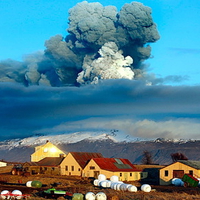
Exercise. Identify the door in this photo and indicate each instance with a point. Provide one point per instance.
(178, 173)
(96, 174)
(126, 176)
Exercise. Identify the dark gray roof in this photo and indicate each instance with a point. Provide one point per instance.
(191, 163)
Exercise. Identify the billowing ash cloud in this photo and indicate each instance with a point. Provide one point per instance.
(110, 65)
(102, 43)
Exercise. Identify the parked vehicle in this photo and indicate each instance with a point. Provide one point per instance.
(190, 181)
(53, 193)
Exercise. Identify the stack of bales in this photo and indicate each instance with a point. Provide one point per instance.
(115, 184)
(98, 196)
(16, 194)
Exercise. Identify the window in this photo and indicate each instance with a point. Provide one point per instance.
(130, 174)
(191, 172)
(166, 173)
(79, 169)
(66, 168)
(72, 168)
(92, 167)
(120, 174)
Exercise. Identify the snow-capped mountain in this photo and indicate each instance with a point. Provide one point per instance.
(38, 139)
(110, 144)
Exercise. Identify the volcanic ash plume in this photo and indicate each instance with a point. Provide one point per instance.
(102, 43)
(110, 65)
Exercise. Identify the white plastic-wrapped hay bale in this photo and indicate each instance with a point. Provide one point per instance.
(103, 184)
(90, 196)
(101, 196)
(28, 184)
(101, 177)
(126, 186)
(114, 178)
(96, 182)
(118, 185)
(173, 180)
(17, 194)
(113, 185)
(178, 182)
(123, 187)
(5, 194)
(108, 184)
(132, 188)
(146, 188)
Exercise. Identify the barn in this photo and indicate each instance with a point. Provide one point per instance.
(178, 169)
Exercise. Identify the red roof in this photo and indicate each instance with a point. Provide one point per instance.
(116, 164)
(84, 157)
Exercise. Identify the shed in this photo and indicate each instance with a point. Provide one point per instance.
(178, 169)
(49, 165)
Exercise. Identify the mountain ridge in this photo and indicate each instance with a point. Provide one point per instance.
(112, 144)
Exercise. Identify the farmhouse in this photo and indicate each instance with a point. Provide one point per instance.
(49, 165)
(46, 150)
(112, 166)
(3, 163)
(178, 169)
(74, 162)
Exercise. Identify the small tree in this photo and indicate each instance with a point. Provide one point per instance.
(147, 158)
(178, 156)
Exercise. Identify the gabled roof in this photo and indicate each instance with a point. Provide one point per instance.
(50, 161)
(37, 148)
(30, 163)
(116, 164)
(84, 157)
(191, 163)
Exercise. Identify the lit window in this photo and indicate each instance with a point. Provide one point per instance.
(45, 150)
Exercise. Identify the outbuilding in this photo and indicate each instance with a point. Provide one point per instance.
(178, 169)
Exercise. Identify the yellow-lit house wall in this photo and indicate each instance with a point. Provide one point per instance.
(70, 166)
(3, 164)
(46, 150)
(169, 172)
(93, 170)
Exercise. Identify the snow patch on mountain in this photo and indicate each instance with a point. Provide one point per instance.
(36, 140)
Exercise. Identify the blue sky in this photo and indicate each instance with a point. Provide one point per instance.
(168, 109)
